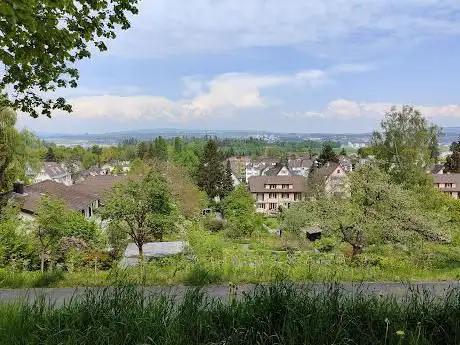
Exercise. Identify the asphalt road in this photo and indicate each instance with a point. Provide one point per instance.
(60, 295)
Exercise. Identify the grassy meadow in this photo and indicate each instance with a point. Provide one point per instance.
(213, 258)
(276, 314)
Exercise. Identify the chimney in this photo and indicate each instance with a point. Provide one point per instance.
(18, 187)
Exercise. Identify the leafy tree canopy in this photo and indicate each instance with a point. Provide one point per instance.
(406, 145)
(327, 155)
(240, 213)
(143, 206)
(377, 212)
(452, 164)
(41, 40)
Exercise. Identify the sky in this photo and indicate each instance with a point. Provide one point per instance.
(300, 66)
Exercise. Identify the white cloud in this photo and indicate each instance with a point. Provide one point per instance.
(221, 96)
(166, 27)
(347, 109)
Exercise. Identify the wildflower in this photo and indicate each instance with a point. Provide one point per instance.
(400, 333)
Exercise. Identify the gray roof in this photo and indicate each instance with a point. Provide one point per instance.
(446, 178)
(326, 170)
(257, 183)
(30, 200)
(300, 163)
(313, 230)
(54, 170)
(77, 197)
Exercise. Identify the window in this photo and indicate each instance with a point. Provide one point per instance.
(267, 186)
(273, 186)
(261, 196)
(272, 206)
(285, 195)
(261, 206)
(83, 212)
(90, 212)
(285, 186)
(338, 171)
(272, 195)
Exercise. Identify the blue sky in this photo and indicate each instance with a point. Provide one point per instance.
(290, 66)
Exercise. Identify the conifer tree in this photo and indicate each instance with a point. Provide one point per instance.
(327, 155)
(210, 171)
(50, 156)
(160, 149)
(227, 184)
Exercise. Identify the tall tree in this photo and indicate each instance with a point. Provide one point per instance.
(8, 140)
(240, 213)
(141, 149)
(161, 149)
(50, 156)
(452, 164)
(150, 154)
(343, 152)
(144, 206)
(227, 183)
(405, 145)
(327, 154)
(178, 145)
(210, 172)
(42, 40)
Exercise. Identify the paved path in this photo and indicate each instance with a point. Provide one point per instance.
(59, 295)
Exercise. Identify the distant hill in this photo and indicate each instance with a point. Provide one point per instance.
(111, 138)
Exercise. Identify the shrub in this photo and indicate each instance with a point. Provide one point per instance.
(325, 244)
(213, 224)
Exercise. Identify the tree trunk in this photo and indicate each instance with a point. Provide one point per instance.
(42, 261)
(141, 253)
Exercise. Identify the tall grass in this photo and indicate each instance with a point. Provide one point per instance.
(277, 314)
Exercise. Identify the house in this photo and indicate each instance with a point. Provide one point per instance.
(29, 197)
(278, 169)
(437, 169)
(52, 171)
(346, 163)
(272, 192)
(448, 183)
(300, 166)
(238, 165)
(334, 177)
(257, 167)
(84, 197)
